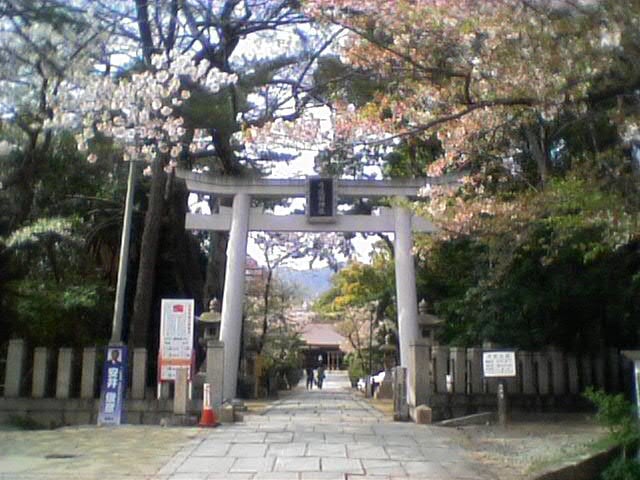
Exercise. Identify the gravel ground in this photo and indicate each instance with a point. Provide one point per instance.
(531, 446)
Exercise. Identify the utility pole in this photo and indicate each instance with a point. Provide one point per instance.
(123, 263)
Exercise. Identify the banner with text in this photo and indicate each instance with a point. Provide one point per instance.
(114, 382)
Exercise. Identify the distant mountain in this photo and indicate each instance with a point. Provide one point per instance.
(313, 283)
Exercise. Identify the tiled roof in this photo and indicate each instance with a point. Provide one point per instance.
(322, 334)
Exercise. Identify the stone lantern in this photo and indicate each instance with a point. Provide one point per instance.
(385, 390)
(430, 325)
(209, 323)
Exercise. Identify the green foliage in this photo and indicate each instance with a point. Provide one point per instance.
(559, 268)
(55, 314)
(622, 469)
(355, 366)
(617, 414)
(411, 158)
(54, 227)
(358, 284)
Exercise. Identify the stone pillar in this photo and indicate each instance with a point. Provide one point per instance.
(573, 375)
(458, 360)
(587, 371)
(613, 365)
(65, 373)
(474, 362)
(139, 374)
(216, 373)
(407, 299)
(233, 296)
(598, 371)
(441, 357)
(181, 392)
(528, 383)
(41, 372)
(559, 372)
(421, 366)
(542, 366)
(15, 368)
(89, 368)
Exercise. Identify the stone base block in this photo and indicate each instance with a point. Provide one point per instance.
(423, 415)
(226, 414)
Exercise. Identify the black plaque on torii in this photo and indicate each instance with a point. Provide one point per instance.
(321, 199)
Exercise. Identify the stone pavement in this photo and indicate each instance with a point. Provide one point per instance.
(327, 434)
(324, 435)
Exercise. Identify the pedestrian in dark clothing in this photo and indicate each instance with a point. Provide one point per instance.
(310, 378)
(320, 376)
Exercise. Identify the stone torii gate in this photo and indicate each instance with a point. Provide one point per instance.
(321, 216)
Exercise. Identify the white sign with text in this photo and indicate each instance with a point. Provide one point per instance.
(499, 364)
(176, 338)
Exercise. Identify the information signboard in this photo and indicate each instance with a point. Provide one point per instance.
(499, 363)
(114, 376)
(176, 338)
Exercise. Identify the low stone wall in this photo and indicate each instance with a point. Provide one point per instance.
(445, 406)
(62, 387)
(450, 380)
(52, 412)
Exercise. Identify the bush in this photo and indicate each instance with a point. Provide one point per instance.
(622, 469)
(619, 416)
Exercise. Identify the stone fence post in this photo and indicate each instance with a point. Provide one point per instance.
(65, 373)
(573, 374)
(139, 375)
(440, 357)
(586, 368)
(419, 356)
(541, 362)
(215, 373)
(89, 371)
(474, 370)
(41, 372)
(458, 369)
(558, 366)
(15, 368)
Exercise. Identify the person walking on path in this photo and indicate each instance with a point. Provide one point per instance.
(310, 378)
(320, 376)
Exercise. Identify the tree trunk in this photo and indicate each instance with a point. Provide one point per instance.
(538, 151)
(216, 263)
(188, 269)
(265, 311)
(148, 256)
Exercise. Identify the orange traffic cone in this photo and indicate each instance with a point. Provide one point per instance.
(208, 418)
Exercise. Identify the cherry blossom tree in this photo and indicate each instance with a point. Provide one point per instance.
(492, 79)
(181, 121)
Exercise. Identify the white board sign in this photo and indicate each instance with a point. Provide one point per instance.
(176, 338)
(499, 364)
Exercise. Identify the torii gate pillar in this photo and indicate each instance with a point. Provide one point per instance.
(233, 296)
(406, 296)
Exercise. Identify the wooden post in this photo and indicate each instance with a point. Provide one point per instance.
(502, 403)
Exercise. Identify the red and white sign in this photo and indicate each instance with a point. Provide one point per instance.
(176, 338)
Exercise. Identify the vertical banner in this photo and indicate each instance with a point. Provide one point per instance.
(114, 386)
(176, 338)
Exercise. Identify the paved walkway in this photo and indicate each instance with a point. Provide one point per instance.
(324, 434)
